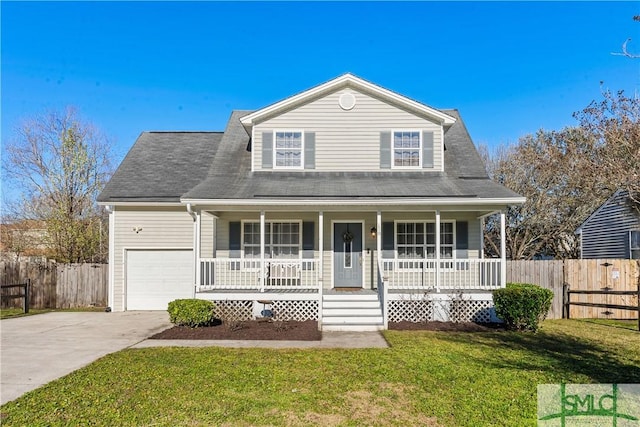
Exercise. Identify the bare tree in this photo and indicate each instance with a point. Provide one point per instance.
(59, 163)
(614, 122)
(552, 169)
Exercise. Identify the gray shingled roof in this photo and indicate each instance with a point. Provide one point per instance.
(170, 166)
(162, 166)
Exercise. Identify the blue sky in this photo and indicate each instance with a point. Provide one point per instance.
(510, 68)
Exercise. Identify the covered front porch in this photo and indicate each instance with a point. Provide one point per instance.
(298, 259)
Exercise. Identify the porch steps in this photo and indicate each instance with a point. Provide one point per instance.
(351, 311)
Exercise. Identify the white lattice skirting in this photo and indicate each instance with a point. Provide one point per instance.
(295, 310)
(416, 311)
(282, 310)
(454, 309)
(233, 310)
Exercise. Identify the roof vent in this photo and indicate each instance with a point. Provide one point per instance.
(347, 101)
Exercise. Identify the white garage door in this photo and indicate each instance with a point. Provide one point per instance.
(154, 278)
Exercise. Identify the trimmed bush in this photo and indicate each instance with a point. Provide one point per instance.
(522, 306)
(191, 312)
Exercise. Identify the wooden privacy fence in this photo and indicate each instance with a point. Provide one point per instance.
(583, 275)
(56, 285)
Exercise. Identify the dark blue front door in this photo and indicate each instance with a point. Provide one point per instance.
(347, 255)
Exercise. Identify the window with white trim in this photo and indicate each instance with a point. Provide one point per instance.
(417, 240)
(634, 244)
(282, 239)
(288, 149)
(407, 149)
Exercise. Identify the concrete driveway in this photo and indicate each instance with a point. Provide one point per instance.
(40, 348)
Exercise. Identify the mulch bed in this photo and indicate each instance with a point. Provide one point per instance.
(299, 331)
(447, 326)
(246, 330)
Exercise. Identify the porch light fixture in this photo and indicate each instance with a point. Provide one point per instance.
(374, 232)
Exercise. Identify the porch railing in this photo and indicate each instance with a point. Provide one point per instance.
(249, 274)
(452, 274)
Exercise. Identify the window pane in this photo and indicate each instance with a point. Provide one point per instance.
(446, 252)
(635, 239)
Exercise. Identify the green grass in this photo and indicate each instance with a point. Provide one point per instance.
(626, 324)
(425, 378)
(7, 313)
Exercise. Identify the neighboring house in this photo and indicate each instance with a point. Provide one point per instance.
(612, 230)
(345, 186)
(26, 238)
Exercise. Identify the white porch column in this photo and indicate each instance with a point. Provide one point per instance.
(482, 238)
(321, 246)
(379, 238)
(320, 267)
(263, 277)
(437, 251)
(198, 246)
(503, 251)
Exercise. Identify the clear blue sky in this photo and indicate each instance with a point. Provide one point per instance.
(510, 68)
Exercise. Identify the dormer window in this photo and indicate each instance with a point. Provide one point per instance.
(288, 149)
(407, 149)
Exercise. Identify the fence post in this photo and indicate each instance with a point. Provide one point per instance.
(565, 301)
(27, 295)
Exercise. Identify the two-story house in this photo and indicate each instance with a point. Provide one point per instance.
(347, 203)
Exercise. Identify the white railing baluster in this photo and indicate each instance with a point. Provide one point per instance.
(245, 274)
(459, 274)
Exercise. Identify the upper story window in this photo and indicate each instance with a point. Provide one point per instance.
(288, 149)
(406, 149)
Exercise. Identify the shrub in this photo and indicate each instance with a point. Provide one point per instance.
(191, 312)
(522, 306)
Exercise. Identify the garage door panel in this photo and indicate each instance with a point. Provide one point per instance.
(156, 277)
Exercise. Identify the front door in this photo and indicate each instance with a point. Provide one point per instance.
(347, 255)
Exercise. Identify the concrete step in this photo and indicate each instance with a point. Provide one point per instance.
(351, 303)
(352, 328)
(351, 311)
(347, 296)
(351, 319)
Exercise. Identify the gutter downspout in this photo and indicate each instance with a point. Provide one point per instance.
(112, 259)
(191, 212)
(196, 255)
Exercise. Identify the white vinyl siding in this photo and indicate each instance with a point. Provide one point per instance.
(160, 228)
(348, 140)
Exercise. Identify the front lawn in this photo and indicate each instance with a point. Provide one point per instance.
(425, 378)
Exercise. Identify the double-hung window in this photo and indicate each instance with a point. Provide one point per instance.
(282, 239)
(288, 149)
(407, 149)
(634, 244)
(417, 240)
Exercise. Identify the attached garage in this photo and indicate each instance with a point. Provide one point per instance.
(156, 277)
